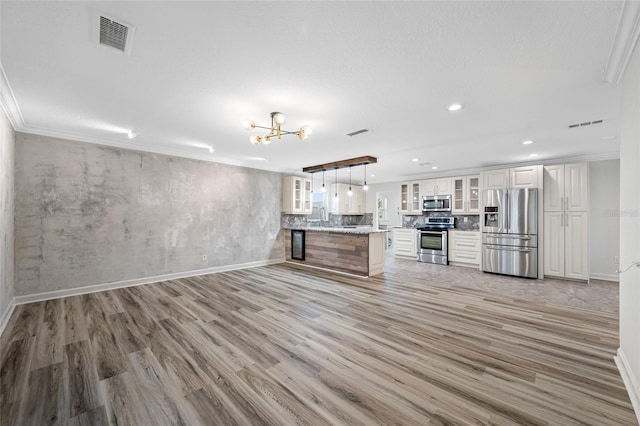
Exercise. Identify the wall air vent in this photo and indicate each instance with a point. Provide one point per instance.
(115, 34)
(584, 123)
(358, 132)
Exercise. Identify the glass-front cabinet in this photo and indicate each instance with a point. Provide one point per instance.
(466, 194)
(410, 201)
(296, 195)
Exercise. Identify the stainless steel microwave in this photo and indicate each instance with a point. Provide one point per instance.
(436, 203)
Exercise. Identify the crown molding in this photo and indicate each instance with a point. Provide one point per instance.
(625, 40)
(9, 103)
(613, 155)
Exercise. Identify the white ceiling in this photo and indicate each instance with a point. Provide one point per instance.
(523, 70)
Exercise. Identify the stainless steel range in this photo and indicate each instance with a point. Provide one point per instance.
(432, 240)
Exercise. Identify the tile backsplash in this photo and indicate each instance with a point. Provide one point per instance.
(302, 221)
(417, 221)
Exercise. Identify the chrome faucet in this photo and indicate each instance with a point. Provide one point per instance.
(323, 214)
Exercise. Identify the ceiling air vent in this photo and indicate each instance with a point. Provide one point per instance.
(585, 123)
(115, 34)
(358, 132)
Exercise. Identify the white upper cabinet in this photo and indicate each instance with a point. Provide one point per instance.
(576, 192)
(410, 200)
(495, 179)
(296, 195)
(466, 194)
(565, 187)
(524, 177)
(554, 188)
(515, 177)
(345, 203)
(440, 186)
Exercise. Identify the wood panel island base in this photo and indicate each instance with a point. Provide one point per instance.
(354, 251)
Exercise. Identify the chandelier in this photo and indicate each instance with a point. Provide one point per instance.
(277, 120)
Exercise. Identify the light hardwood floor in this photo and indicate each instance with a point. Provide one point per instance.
(285, 344)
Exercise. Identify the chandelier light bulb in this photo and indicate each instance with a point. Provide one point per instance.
(307, 130)
(266, 140)
(254, 139)
(278, 118)
(248, 124)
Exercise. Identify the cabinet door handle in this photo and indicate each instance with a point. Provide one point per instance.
(566, 203)
(561, 220)
(567, 220)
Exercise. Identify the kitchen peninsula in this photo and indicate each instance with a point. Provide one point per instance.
(354, 250)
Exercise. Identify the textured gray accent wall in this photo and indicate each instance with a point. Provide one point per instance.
(89, 214)
(7, 193)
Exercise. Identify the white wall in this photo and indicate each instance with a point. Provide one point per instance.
(392, 192)
(7, 196)
(604, 218)
(628, 358)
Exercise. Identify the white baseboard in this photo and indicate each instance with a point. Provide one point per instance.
(604, 277)
(57, 294)
(630, 382)
(4, 319)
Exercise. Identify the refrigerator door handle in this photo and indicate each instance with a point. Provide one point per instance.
(506, 211)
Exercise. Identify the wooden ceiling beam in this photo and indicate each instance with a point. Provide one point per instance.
(358, 161)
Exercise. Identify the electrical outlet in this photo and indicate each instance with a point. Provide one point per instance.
(204, 257)
(466, 219)
(616, 260)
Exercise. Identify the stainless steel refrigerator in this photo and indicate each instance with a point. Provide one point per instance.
(510, 232)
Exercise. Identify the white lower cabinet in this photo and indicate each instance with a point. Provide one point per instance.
(464, 248)
(566, 245)
(405, 242)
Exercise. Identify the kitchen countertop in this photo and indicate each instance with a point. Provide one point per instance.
(452, 229)
(342, 230)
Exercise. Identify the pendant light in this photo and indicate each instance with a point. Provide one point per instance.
(336, 194)
(365, 186)
(350, 192)
(323, 189)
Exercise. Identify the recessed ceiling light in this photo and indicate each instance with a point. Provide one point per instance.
(211, 149)
(434, 167)
(131, 134)
(527, 142)
(415, 160)
(372, 175)
(455, 107)
(533, 155)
